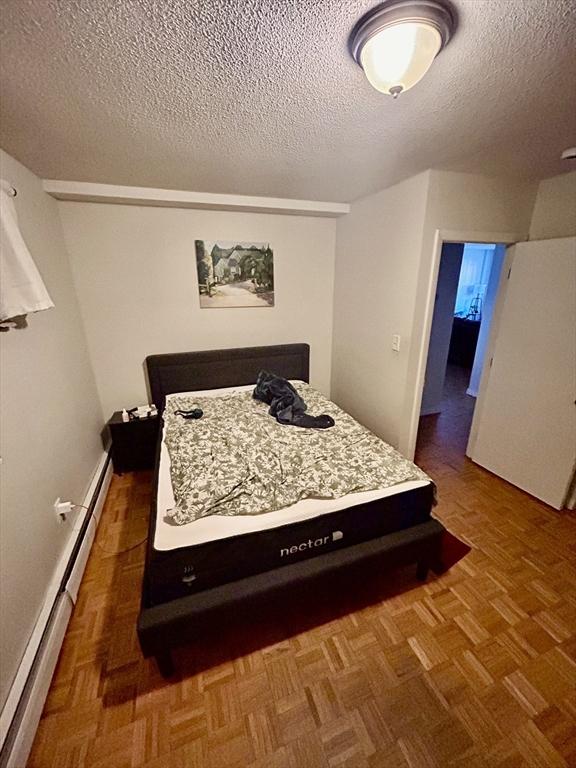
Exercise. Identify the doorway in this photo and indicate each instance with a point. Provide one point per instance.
(468, 280)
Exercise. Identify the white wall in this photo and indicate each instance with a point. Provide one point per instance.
(464, 204)
(135, 272)
(441, 332)
(50, 420)
(384, 280)
(555, 208)
(378, 252)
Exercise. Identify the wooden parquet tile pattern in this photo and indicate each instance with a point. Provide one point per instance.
(475, 668)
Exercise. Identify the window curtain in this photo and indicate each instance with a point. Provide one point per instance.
(474, 274)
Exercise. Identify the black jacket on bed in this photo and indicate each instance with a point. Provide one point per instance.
(286, 404)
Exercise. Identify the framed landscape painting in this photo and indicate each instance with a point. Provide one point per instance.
(234, 274)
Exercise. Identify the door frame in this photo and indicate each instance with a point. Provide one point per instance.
(442, 236)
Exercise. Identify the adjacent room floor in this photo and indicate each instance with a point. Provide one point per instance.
(447, 432)
(475, 668)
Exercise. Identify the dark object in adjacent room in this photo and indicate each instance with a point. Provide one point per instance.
(463, 342)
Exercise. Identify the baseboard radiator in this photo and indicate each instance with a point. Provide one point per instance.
(23, 708)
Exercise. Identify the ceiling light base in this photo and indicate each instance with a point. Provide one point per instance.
(436, 14)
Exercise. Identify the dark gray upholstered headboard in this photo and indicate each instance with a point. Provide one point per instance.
(189, 371)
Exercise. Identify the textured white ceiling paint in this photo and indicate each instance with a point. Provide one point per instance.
(260, 97)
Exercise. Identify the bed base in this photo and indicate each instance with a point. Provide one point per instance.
(162, 627)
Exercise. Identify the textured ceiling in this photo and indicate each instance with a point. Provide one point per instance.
(261, 97)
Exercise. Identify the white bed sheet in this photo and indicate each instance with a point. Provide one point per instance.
(169, 536)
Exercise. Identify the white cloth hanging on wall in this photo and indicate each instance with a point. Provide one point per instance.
(22, 289)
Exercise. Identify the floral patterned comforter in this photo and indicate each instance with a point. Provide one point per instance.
(238, 460)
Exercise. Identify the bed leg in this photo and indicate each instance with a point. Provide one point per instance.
(422, 570)
(165, 663)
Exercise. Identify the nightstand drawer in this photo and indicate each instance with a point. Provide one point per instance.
(133, 443)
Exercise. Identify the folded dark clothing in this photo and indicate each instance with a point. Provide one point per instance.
(286, 404)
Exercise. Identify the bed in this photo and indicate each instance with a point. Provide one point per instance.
(201, 573)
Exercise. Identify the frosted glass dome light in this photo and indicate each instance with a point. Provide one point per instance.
(396, 43)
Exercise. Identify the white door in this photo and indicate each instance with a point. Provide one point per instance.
(525, 421)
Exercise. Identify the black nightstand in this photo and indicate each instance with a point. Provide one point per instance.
(133, 442)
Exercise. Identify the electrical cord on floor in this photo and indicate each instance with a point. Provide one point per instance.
(118, 551)
(121, 551)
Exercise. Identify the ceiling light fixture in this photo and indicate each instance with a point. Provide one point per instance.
(396, 42)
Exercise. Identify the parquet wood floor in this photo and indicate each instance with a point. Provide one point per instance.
(475, 668)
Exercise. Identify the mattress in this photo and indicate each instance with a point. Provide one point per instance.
(213, 550)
